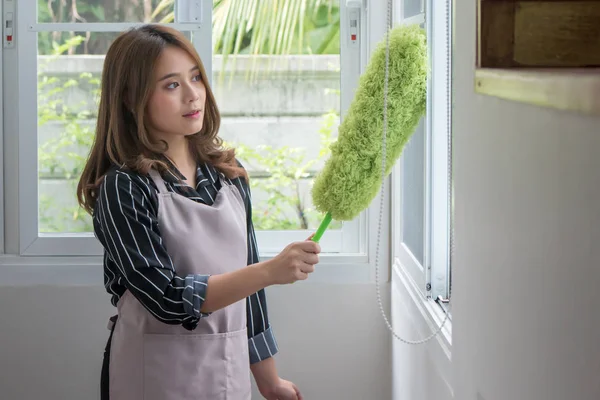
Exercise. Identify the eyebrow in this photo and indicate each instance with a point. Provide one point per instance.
(167, 76)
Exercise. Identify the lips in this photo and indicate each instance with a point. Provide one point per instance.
(193, 113)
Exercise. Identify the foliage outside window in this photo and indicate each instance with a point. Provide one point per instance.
(279, 172)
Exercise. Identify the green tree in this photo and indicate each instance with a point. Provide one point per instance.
(63, 157)
(285, 170)
(248, 27)
(254, 27)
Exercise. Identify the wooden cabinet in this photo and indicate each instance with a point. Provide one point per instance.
(543, 52)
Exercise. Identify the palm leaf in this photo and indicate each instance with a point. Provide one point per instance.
(160, 7)
(264, 27)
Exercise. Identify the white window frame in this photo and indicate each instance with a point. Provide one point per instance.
(349, 251)
(2, 158)
(433, 276)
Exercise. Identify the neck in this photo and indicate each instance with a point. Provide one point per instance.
(179, 153)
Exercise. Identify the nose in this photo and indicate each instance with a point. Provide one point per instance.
(193, 95)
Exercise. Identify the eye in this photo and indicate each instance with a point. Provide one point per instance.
(197, 78)
(172, 85)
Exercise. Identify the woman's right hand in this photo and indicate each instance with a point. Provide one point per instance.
(294, 263)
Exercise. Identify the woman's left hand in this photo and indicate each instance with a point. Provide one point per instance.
(282, 390)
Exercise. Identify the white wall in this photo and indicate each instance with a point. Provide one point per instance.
(527, 257)
(333, 344)
(420, 372)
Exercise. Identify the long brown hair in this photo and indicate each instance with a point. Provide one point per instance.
(121, 137)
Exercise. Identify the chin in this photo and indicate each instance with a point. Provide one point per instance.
(192, 130)
(196, 130)
(193, 127)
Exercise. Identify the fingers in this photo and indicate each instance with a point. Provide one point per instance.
(309, 246)
(298, 394)
(307, 262)
(299, 259)
(302, 276)
(310, 258)
(292, 396)
(307, 268)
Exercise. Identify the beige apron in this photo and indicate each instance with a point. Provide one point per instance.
(151, 360)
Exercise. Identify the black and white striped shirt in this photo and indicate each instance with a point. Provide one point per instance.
(135, 259)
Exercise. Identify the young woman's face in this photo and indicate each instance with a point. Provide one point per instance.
(176, 106)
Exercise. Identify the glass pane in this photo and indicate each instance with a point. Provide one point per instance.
(280, 102)
(68, 83)
(106, 11)
(413, 193)
(412, 8)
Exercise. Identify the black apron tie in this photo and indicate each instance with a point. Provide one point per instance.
(104, 378)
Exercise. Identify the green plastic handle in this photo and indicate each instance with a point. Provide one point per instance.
(322, 228)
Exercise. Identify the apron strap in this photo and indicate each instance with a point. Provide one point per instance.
(158, 180)
(104, 375)
(223, 180)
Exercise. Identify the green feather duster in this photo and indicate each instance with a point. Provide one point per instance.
(351, 177)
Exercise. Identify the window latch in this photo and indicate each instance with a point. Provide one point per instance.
(353, 7)
(8, 23)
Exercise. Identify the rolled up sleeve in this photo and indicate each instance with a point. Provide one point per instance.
(194, 294)
(262, 346)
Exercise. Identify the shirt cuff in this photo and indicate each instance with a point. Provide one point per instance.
(262, 346)
(194, 294)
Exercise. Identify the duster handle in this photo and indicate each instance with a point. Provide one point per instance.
(321, 230)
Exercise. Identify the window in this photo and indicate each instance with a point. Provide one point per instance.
(281, 101)
(422, 177)
(281, 109)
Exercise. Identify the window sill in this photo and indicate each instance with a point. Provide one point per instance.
(426, 314)
(70, 271)
(569, 89)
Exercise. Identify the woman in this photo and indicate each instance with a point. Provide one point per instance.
(172, 210)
